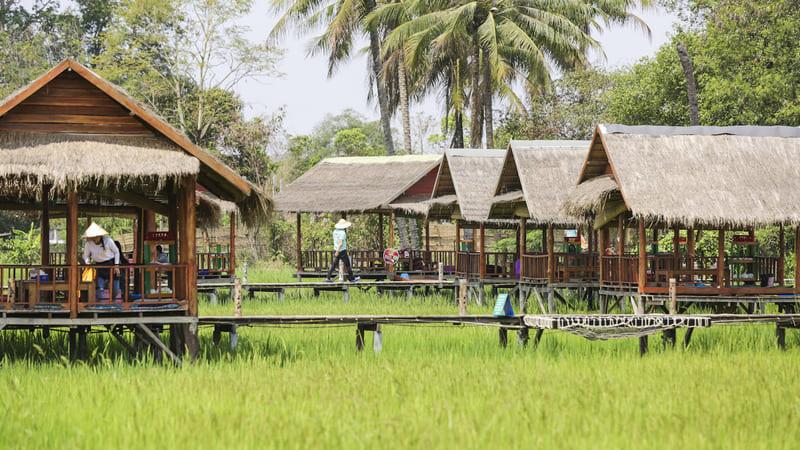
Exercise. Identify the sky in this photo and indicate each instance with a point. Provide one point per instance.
(307, 94)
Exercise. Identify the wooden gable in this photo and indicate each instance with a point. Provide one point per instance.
(425, 185)
(509, 180)
(72, 99)
(444, 181)
(70, 104)
(597, 162)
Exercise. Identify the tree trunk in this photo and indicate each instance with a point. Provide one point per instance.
(383, 100)
(488, 90)
(458, 134)
(403, 87)
(691, 87)
(476, 127)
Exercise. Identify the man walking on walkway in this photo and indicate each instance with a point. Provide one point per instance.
(340, 250)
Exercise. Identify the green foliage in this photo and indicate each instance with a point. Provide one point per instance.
(23, 248)
(569, 111)
(744, 56)
(345, 134)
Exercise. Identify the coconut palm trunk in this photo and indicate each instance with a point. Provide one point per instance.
(476, 125)
(383, 99)
(691, 86)
(458, 133)
(403, 88)
(488, 90)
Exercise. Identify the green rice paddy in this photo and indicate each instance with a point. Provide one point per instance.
(437, 386)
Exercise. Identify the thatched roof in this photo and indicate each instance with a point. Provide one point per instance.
(211, 208)
(64, 160)
(540, 173)
(694, 176)
(98, 155)
(355, 184)
(466, 177)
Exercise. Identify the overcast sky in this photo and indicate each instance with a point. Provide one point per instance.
(308, 94)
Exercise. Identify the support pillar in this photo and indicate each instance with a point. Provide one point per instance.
(482, 268)
(232, 245)
(551, 260)
(781, 256)
(299, 242)
(45, 226)
(72, 252)
(642, 257)
(523, 246)
(721, 258)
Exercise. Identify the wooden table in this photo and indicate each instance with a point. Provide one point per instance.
(32, 288)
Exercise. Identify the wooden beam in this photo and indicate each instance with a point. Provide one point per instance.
(232, 245)
(620, 244)
(796, 266)
(72, 252)
(781, 256)
(299, 241)
(186, 238)
(523, 244)
(482, 269)
(380, 231)
(458, 241)
(44, 226)
(642, 256)
(690, 247)
(721, 258)
(602, 245)
(427, 235)
(551, 259)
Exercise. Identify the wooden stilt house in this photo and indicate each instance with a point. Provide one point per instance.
(534, 182)
(654, 192)
(463, 193)
(75, 145)
(389, 186)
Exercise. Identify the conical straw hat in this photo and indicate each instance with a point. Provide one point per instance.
(95, 230)
(342, 224)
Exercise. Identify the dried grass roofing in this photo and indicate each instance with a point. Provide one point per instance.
(354, 184)
(700, 176)
(65, 160)
(105, 160)
(547, 171)
(474, 174)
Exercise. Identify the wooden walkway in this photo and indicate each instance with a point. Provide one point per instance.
(321, 286)
(635, 325)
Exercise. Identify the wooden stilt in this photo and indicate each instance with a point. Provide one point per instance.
(503, 334)
(721, 258)
(781, 256)
(299, 241)
(642, 345)
(232, 245)
(780, 335)
(523, 337)
(687, 338)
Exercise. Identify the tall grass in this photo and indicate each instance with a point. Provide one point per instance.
(439, 386)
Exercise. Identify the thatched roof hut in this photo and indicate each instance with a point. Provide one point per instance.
(72, 128)
(363, 184)
(467, 179)
(714, 177)
(535, 179)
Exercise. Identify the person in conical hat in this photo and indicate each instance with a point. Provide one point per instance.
(101, 250)
(340, 250)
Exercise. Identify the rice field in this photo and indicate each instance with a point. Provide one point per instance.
(431, 386)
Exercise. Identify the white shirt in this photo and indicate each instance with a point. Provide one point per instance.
(98, 253)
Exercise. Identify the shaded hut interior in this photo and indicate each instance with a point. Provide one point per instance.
(640, 184)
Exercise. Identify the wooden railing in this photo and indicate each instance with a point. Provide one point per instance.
(136, 287)
(534, 267)
(497, 265)
(213, 264)
(568, 267)
(619, 270)
(366, 260)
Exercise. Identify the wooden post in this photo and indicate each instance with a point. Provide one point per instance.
(72, 252)
(780, 335)
(232, 246)
(781, 255)
(523, 245)
(721, 258)
(690, 247)
(462, 297)
(676, 243)
(797, 266)
(544, 238)
(673, 296)
(391, 240)
(427, 235)
(458, 242)
(380, 232)
(602, 244)
(45, 226)
(299, 242)
(590, 240)
(482, 268)
(551, 259)
(187, 282)
(620, 246)
(237, 298)
(642, 257)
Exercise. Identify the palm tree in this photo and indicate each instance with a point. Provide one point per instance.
(343, 22)
(513, 37)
